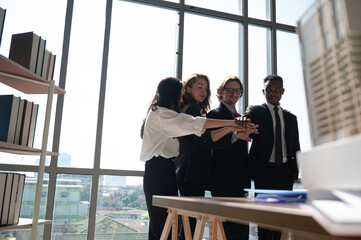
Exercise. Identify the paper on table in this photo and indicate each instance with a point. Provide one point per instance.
(278, 196)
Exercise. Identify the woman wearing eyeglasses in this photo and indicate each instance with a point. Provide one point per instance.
(160, 129)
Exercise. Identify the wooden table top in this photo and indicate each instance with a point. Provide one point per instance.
(299, 217)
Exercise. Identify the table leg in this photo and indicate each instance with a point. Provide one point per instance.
(171, 218)
(198, 233)
(216, 231)
(285, 235)
(186, 228)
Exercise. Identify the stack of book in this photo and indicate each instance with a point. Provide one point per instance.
(17, 120)
(11, 194)
(28, 50)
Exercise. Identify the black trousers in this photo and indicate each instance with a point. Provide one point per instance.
(159, 179)
(233, 231)
(190, 190)
(274, 177)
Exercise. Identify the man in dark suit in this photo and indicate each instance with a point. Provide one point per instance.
(230, 170)
(273, 150)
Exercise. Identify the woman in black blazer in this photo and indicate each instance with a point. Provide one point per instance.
(194, 163)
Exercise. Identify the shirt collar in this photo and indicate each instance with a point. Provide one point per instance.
(270, 106)
(231, 109)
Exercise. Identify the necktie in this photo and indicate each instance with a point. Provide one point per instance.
(278, 140)
(236, 113)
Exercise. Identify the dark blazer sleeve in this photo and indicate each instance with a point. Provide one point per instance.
(262, 143)
(225, 141)
(292, 139)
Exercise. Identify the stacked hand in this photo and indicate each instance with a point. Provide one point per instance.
(245, 127)
(244, 123)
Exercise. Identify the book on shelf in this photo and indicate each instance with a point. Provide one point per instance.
(9, 105)
(40, 57)
(2, 191)
(34, 116)
(14, 189)
(6, 199)
(45, 69)
(24, 49)
(19, 121)
(51, 67)
(2, 21)
(19, 198)
(25, 125)
(11, 194)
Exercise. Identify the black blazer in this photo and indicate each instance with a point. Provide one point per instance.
(262, 143)
(230, 162)
(193, 165)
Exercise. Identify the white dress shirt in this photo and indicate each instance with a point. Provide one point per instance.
(161, 128)
(284, 149)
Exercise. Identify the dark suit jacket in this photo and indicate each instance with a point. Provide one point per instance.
(230, 167)
(193, 165)
(262, 143)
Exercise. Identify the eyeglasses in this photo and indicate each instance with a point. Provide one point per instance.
(276, 91)
(231, 90)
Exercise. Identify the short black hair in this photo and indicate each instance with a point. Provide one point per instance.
(273, 77)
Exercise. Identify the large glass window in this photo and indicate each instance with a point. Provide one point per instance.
(211, 47)
(290, 11)
(121, 209)
(79, 122)
(143, 49)
(71, 207)
(140, 55)
(259, 9)
(259, 62)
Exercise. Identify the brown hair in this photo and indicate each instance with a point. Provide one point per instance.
(187, 97)
(223, 84)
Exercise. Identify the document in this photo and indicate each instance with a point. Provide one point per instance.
(278, 196)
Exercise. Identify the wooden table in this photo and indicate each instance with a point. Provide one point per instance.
(295, 220)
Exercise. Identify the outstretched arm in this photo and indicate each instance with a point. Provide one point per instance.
(241, 124)
(242, 130)
(219, 133)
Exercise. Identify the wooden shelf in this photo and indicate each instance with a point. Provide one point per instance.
(22, 79)
(19, 149)
(24, 223)
(17, 77)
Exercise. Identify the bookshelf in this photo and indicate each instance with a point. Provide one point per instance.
(21, 79)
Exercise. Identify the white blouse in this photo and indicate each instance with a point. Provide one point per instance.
(161, 128)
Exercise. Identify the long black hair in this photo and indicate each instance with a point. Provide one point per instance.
(167, 95)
